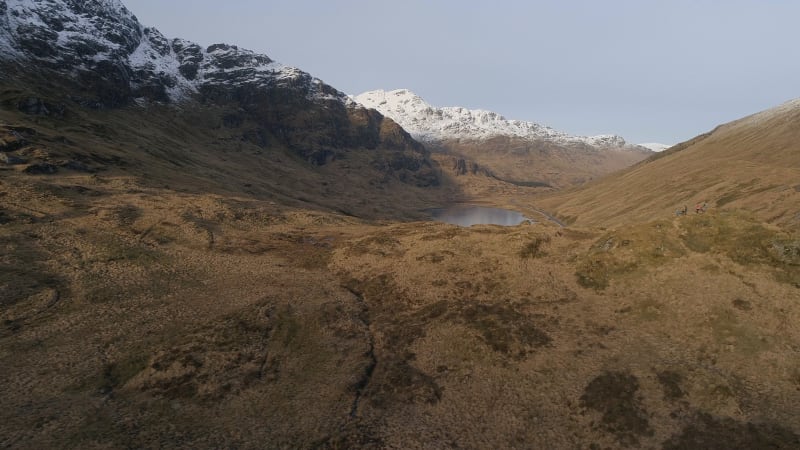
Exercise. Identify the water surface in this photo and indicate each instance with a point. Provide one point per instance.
(468, 215)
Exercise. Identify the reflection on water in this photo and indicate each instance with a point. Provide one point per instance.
(468, 215)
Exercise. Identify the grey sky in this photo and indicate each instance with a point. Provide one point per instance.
(650, 71)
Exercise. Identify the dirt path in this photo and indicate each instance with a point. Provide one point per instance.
(550, 217)
(547, 215)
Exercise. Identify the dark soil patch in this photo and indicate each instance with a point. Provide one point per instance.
(219, 359)
(395, 380)
(436, 257)
(743, 305)
(41, 169)
(671, 383)
(713, 433)
(356, 434)
(503, 329)
(614, 395)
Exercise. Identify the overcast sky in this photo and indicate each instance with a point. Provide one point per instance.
(650, 71)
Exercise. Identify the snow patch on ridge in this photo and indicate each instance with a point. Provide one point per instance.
(760, 117)
(655, 146)
(429, 123)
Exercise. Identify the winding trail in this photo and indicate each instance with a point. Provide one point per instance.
(546, 214)
(550, 217)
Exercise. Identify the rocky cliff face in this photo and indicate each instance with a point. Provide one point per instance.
(106, 59)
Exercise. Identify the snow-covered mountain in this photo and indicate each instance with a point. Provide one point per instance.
(102, 37)
(655, 146)
(429, 123)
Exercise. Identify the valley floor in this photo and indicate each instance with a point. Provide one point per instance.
(143, 317)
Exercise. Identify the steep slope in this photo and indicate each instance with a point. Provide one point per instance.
(752, 163)
(518, 151)
(62, 58)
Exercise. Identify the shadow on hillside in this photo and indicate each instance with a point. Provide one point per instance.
(208, 149)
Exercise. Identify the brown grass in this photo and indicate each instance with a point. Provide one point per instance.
(747, 164)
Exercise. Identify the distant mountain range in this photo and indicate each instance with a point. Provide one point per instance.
(513, 150)
(429, 123)
(655, 146)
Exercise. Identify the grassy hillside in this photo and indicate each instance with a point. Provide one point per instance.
(752, 163)
(202, 149)
(532, 163)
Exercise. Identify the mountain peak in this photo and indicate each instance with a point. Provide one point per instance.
(101, 43)
(430, 123)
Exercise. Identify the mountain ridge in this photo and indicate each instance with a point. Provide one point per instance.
(68, 34)
(429, 123)
(655, 146)
(520, 152)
